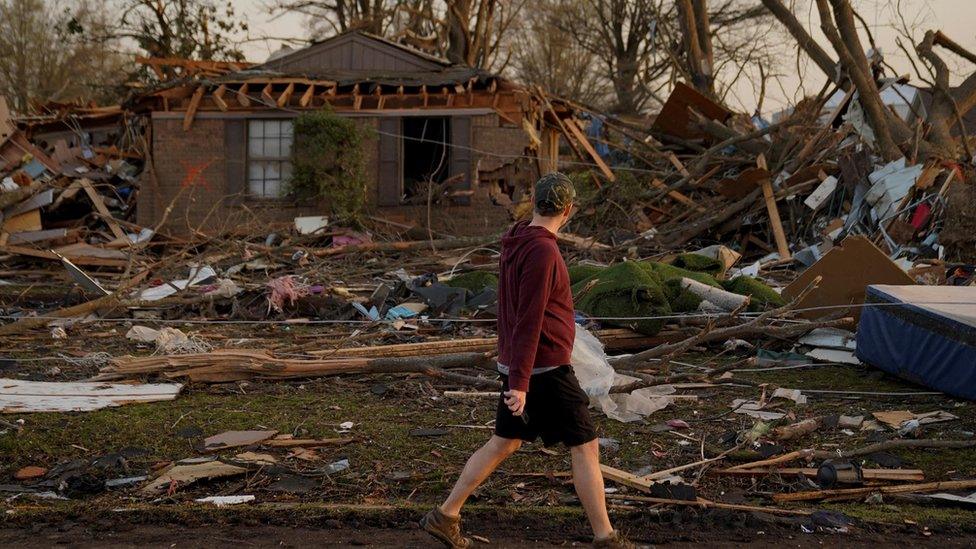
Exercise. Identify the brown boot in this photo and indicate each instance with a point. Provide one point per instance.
(615, 541)
(445, 528)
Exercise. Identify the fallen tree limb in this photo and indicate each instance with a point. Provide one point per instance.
(755, 326)
(785, 458)
(897, 475)
(894, 445)
(851, 493)
(226, 365)
(704, 503)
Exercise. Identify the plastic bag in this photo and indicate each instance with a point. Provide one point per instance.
(596, 377)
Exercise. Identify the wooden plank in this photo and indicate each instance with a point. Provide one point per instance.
(625, 478)
(39, 200)
(849, 493)
(37, 236)
(96, 200)
(191, 110)
(673, 159)
(585, 143)
(78, 260)
(266, 94)
(658, 184)
(19, 396)
(782, 246)
(306, 99)
(867, 474)
(286, 95)
(27, 221)
(218, 97)
(242, 96)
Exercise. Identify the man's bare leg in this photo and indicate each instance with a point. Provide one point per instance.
(479, 466)
(588, 481)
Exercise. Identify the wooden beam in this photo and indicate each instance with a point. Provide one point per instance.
(286, 95)
(357, 100)
(585, 143)
(904, 475)
(96, 200)
(191, 110)
(625, 478)
(849, 493)
(423, 93)
(242, 96)
(266, 94)
(306, 99)
(77, 260)
(381, 99)
(677, 196)
(218, 97)
(782, 246)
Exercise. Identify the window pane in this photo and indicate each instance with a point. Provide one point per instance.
(285, 147)
(272, 170)
(286, 128)
(272, 128)
(255, 146)
(256, 188)
(255, 128)
(272, 188)
(286, 172)
(255, 170)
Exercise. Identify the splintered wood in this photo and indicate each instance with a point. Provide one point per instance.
(18, 396)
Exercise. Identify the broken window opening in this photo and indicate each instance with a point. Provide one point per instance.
(268, 157)
(426, 155)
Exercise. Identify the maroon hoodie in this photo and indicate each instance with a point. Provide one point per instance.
(536, 325)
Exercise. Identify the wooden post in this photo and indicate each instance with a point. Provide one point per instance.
(782, 246)
(549, 151)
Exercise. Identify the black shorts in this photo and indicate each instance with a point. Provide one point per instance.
(556, 407)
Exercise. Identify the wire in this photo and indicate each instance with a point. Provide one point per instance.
(456, 146)
(476, 320)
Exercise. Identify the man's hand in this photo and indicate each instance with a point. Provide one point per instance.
(515, 400)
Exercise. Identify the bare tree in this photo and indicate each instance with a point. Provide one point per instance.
(644, 46)
(330, 17)
(548, 55)
(895, 138)
(46, 53)
(192, 29)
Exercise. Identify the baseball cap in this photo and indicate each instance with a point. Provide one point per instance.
(553, 193)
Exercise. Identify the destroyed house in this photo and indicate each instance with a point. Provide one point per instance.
(221, 140)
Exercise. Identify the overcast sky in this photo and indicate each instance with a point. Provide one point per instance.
(956, 18)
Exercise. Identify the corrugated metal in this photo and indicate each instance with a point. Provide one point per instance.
(388, 184)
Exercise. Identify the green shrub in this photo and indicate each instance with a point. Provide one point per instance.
(328, 163)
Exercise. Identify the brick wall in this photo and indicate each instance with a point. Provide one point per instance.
(191, 173)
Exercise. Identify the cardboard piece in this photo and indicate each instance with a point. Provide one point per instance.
(847, 270)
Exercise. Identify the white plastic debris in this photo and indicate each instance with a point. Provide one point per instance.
(223, 501)
(596, 377)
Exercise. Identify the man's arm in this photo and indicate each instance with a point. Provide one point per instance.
(535, 286)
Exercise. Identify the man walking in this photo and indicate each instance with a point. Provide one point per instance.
(540, 395)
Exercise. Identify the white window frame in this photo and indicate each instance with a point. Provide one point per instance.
(269, 142)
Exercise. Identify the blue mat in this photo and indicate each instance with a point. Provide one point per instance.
(925, 334)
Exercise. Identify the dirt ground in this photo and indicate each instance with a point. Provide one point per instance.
(410, 442)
